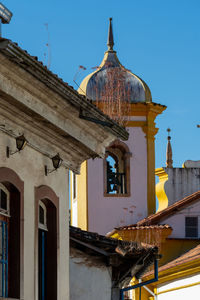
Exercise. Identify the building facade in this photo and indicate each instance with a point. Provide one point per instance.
(121, 188)
(40, 127)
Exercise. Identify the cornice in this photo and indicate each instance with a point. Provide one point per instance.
(16, 55)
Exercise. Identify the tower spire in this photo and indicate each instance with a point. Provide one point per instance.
(110, 42)
(169, 161)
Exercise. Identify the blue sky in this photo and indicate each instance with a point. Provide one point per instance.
(157, 40)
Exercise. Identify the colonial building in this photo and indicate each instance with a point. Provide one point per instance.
(120, 189)
(42, 136)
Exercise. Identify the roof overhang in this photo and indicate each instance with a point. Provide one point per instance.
(48, 110)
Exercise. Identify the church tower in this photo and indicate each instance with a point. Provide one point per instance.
(120, 189)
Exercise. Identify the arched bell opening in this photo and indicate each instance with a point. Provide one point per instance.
(117, 170)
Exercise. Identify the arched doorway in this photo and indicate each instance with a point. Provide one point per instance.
(11, 233)
(47, 242)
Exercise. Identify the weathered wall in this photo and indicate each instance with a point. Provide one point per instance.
(29, 165)
(181, 182)
(119, 211)
(89, 279)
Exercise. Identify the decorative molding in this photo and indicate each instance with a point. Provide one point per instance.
(160, 189)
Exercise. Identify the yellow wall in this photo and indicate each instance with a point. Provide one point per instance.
(175, 247)
(82, 197)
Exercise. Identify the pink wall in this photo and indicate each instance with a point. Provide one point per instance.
(106, 213)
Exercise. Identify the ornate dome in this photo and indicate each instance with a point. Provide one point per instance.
(112, 78)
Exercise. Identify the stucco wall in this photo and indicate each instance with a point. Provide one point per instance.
(183, 288)
(29, 165)
(89, 279)
(177, 221)
(119, 211)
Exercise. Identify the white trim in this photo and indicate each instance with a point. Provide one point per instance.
(5, 212)
(40, 225)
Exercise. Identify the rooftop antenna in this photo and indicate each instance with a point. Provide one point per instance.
(80, 68)
(48, 46)
(5, 16)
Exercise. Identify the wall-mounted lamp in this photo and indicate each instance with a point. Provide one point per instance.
(21, 142)
(56, 161)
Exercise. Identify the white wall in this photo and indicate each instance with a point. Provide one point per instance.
(89, 279)
(177, 221)
(183, 292)
(116, 211)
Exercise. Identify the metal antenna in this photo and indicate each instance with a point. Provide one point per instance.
(80, 68)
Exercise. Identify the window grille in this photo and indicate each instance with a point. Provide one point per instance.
(191, 227)
(117, 170)
(116, 181)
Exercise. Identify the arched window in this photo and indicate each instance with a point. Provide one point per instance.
(117, 170)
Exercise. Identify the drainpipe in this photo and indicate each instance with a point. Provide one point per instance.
(140, 284)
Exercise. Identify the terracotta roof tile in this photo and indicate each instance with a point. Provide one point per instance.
(142, 227)
(136, 227)
(186, 257)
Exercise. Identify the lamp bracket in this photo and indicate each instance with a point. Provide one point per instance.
(47, 171)
(8, 152)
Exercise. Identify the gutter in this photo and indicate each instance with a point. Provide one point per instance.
(141, 284)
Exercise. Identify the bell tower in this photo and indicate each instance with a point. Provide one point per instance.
(120, 189)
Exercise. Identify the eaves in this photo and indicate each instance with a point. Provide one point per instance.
(29, 63)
